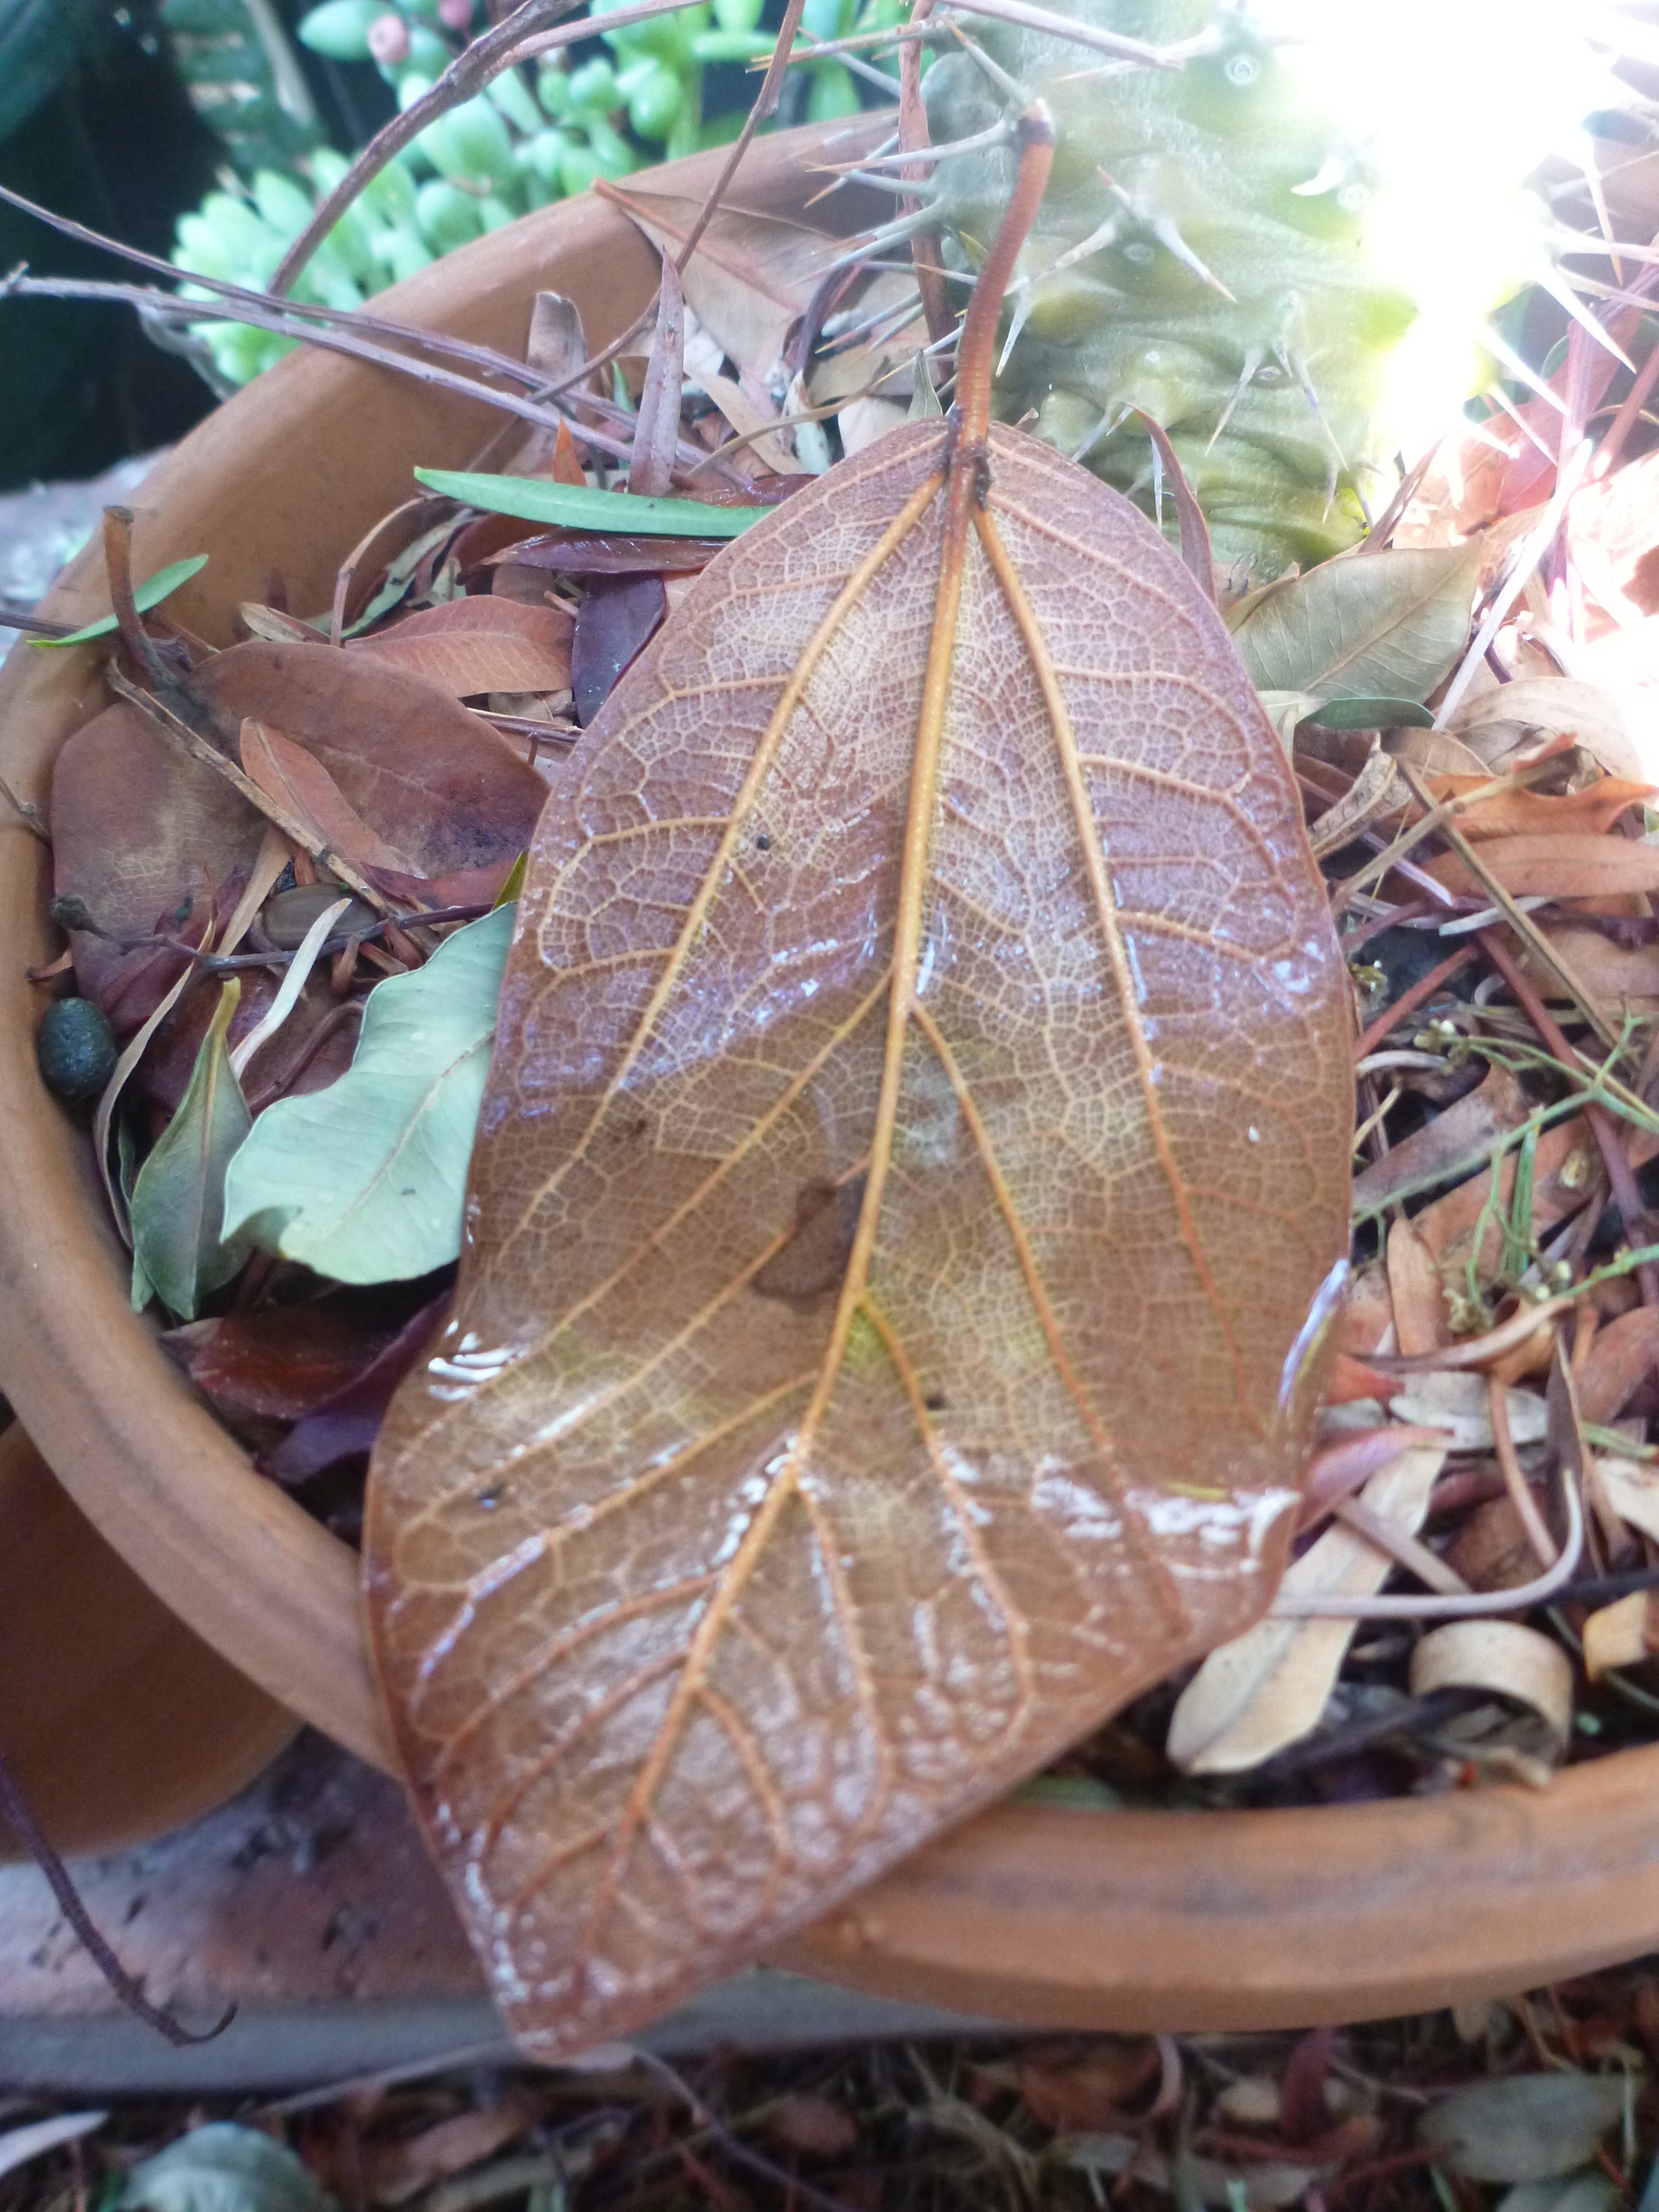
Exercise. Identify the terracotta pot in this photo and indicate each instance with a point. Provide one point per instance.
(116, 1721)
(1039, 1915)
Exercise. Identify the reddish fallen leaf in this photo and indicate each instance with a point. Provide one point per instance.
(586, 553)
(1592, 811)
(1347, 1464)
(1626, 1350)
(1573, 866)
(142, 836)
(436, 781)
(1613, 975)
(394, 2171)
(1092, 2089)
(619, 616)
(344, 1425)
(1350, 1381)
(480, 644)
(939, 855)
(279, 1363)
(287, 773)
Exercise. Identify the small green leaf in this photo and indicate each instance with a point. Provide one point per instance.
(178, 1201)
(222, 2168)
(1371, 714)
(578, 506)
(150, 593)
(365, 1181)
(1372, 626)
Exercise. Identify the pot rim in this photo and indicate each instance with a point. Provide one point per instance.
(1189, 1920)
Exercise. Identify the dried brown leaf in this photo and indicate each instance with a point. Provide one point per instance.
(425, 774)
(479, 643)
(929, 904)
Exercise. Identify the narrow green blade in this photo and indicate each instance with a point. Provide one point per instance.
(578, 506)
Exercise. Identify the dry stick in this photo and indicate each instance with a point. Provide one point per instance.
(483, 357)
(1514, 1480)
(1624, 421)
(19, 1814)
(302, 833)
(1602, 1126)
(766, 102)
(1522, 923)
(1408, 1002)
(335, 339)
(28, 812)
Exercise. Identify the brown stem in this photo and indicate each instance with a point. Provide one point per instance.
(117, 562)
(977, 353)
(1620, 1175)
(19, 1816)
(1514, 1480)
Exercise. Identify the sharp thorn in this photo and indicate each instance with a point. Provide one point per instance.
(1253, 361)
(1521, 370)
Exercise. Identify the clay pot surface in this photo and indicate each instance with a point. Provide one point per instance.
(118, 1722)
(1028, 1913)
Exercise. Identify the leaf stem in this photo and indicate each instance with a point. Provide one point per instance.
(977, 353)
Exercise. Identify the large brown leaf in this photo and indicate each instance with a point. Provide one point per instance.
(916, 1144)
(708, 1575)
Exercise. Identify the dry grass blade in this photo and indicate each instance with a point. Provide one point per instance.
(785, 1487)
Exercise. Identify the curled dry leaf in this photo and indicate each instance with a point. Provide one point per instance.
(482, 643)
(1505, 1657)
(1625, 1350)
(1497, 722)
(1631, 1490)
(916, 1142)
(1620, 1635)
(1269, 1687)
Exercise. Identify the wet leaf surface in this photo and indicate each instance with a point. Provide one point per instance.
(795, 1578)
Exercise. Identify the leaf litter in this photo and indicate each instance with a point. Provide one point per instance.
(411, 767)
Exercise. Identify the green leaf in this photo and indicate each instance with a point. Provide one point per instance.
(1372, 626)
(126, 1152)
(178, 1202)
(1371, 714)
(578, 506)
(150, 593)
(222, 2168)
(1525, 2127)
(364, 1181)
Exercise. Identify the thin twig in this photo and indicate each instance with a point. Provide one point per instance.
(19, 1814)
(514, 39)
(1514, 1480)
(29, 814)
(766, 104)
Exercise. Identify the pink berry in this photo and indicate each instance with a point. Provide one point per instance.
(457, 15)
(389, 40)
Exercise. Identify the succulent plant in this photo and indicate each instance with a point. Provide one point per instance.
(508, 151)
(1281, 247)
